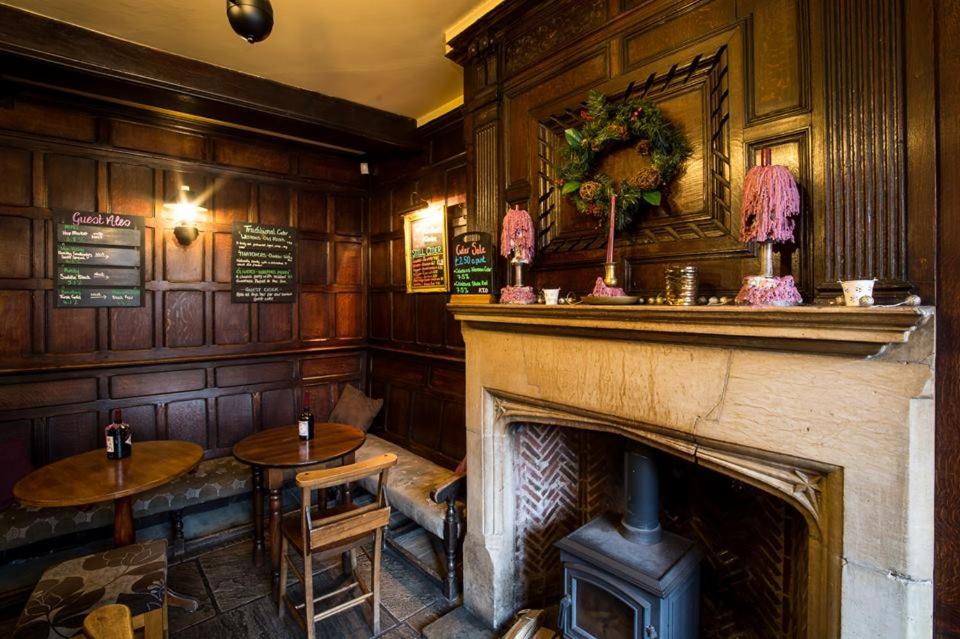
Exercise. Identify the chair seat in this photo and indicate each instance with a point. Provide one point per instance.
(409, 483)
(134, 575)
(290, 528)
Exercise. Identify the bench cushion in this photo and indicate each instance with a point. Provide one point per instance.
(134, 575)
(213, 479)
(409, 483)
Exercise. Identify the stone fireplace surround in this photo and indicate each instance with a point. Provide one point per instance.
(830, 409)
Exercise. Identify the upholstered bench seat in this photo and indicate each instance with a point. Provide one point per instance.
(134, 575)
(214, 479)
(409, 483)
(429, 495)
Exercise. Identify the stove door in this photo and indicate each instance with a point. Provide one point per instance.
(605, 607)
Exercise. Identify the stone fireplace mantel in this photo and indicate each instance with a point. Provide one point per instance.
(828, 408)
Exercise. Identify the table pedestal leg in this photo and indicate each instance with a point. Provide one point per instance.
(274, 484)
(348, 560)
(257, 509)
(123, 531)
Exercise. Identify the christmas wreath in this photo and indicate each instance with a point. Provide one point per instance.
(607, 124)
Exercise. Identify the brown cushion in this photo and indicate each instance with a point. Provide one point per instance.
(135, 576)
(356, 409)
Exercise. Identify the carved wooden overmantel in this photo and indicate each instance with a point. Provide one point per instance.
(818, 82)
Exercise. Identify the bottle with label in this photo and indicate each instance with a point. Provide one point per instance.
(119, 437)
(305, 421)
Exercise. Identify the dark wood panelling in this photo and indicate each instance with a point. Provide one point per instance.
(946, 24)
(822, 83)
(183, 318)
(188, 364)
(17, 170)
(156, 383)
(416, 364)
(132, 135)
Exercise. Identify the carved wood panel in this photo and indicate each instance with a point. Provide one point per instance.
(157, 361)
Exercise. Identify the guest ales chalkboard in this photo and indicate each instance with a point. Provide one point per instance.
(264, 263)
(99, 259)
(473, 264)
(425, 247)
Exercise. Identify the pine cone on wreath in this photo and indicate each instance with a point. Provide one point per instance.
(647, 179)
(644, 147)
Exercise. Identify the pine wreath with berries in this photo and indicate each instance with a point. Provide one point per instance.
(607, 124)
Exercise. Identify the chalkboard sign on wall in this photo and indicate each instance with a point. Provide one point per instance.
(473, 255)
(425, 246)
(99, 259)
(264, 263)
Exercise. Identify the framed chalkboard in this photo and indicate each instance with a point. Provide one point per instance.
(473, 255)
(425, 248)
(99, 259)
(264, 263)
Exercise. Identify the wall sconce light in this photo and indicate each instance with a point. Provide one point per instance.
(185, 214)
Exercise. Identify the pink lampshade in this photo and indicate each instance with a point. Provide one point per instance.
(770, 202)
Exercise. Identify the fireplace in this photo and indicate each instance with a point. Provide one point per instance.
(827, 410)
(626, 577)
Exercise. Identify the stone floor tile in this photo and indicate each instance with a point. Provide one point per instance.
(185, 579)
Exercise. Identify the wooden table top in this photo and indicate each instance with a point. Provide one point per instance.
(281, 447)
(90, 478)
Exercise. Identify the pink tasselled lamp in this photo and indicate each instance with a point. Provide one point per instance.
(518, 239)
(771, 201)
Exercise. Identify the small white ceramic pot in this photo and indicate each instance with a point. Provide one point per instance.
(854, 290)
(551, 296)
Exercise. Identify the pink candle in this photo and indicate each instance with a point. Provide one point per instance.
(613, 224)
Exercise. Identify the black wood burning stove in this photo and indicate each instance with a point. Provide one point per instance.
(629, 578)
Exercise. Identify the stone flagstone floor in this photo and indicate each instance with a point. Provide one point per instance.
(235, 600)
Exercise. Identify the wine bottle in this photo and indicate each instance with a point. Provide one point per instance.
(305, 421)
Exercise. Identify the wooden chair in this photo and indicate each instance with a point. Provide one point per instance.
(317, 532)
(109, 622)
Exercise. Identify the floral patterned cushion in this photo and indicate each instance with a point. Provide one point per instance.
(213, 479)
(134, 575)
(408, 483)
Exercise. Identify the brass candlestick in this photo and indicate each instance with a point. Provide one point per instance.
(610, 274)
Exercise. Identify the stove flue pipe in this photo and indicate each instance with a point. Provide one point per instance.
(641, 521)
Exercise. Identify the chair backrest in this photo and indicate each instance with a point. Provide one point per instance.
(109, 622)
(344, 523)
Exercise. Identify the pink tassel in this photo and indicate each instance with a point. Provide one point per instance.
(770, 200)
(517, 235)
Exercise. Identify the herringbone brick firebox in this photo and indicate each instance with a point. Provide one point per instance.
(754, 568)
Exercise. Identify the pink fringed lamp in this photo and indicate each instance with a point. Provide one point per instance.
(770, 202)
(517, 238)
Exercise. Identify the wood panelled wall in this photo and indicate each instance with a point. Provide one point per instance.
(189, 364)
(820, 82)
(416, 349)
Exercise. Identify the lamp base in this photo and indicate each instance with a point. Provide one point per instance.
(517, 295)
(758, 290)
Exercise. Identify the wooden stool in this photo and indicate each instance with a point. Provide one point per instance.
(134, 575)
(335, 532)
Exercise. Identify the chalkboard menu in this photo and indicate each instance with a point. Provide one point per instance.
(425, 247)
(264, 263)
(99, 259)
(473, 264)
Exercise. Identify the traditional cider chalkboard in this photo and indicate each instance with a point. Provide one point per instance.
(425, 246)
(264, 263)
(99, 259)
(473, 264)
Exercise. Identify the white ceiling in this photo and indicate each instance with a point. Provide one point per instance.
(387, 54)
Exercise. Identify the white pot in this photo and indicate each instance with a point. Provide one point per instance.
(854, 290)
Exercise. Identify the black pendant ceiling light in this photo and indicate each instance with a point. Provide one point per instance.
(251, 19)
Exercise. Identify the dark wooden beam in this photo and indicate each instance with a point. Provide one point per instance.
(41, 51)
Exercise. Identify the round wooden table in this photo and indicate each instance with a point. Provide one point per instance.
(277, 449)
(91, 478)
